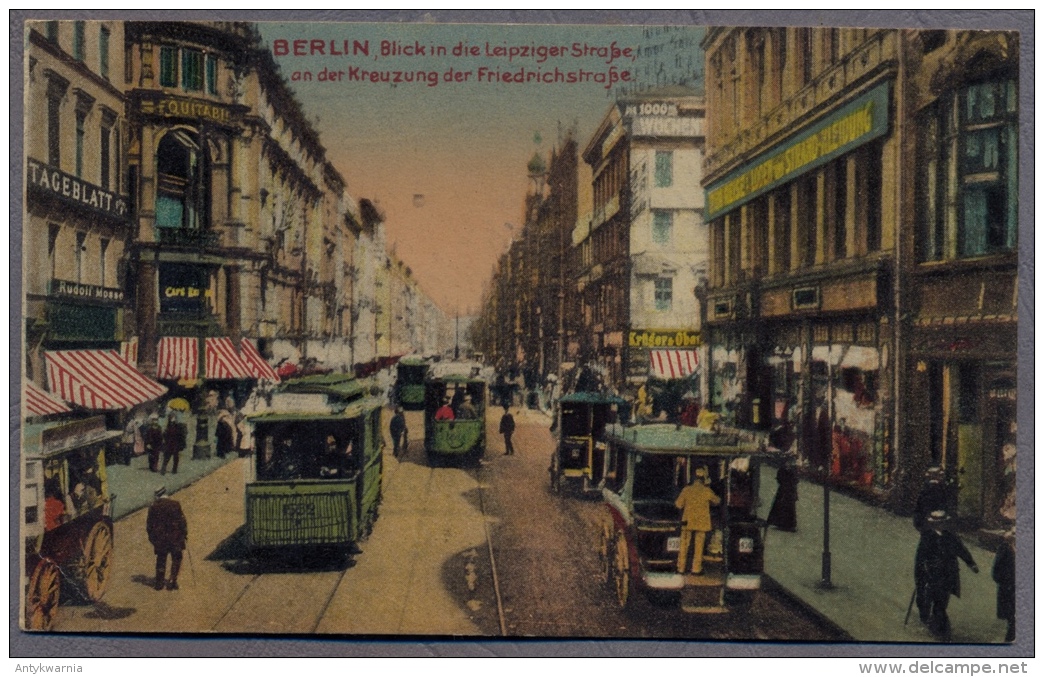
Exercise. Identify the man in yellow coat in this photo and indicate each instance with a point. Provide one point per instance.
(695, 502)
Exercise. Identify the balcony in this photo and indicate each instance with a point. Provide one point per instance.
(188, 237)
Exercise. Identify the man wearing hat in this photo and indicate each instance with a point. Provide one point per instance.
(397, 428)
(152, 437)
(936, 574)
(933, 496)
(467, 410)
(695, 502)
(168, 533)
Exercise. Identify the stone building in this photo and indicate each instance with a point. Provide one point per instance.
(846, 212)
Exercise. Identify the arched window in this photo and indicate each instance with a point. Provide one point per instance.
(183, 182)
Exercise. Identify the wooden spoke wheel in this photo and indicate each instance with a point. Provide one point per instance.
(605, 555)
(622, 572)
(41, 602)
(97, 557)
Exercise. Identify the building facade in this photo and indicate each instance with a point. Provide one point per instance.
(821, 310)
(644, 252)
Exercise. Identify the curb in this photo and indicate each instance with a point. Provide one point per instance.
(773, 586)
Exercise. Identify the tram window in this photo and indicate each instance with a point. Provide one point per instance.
(654, 478)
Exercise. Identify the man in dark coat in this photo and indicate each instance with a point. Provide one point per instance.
(507, 428)
(152, 437)
(175, 437)
(936, 574)
(397, 428)
(783, 514)
(1004, 576)
(225, 434)
(932, 497)
(168, 533)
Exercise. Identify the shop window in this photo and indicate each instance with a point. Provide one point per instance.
(781, 244)
(968, 393)
(662, 225)
(168, 66)
(862, 385)
(664, 168)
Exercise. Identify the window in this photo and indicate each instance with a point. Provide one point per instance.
(79, 40)
(53, 229)
(168, 67)
(101, 259)
(52, 31)
(662, 223)
(211, 75)
(191, 70)
(81, 118)
(663, 292)
(967, 186)
(664, 168)
(54, 143)
(103, 52)
(804, 40)
(106, 134)
(81, 247)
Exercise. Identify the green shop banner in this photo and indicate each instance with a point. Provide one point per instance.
(858, 122)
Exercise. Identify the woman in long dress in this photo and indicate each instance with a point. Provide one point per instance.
(783, 514)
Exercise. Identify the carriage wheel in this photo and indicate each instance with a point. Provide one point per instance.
(97, 556)
(605, 555)
(622, 572)
(41, 603)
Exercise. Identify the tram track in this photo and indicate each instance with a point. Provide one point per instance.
(479, 479)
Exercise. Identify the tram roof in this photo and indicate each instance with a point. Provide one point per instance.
(339, 386)
(356, 409)
(672, 439)
(593, 398)
(41, 440)
(413, 361)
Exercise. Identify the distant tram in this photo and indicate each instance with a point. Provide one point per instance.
(318, 465)
(455, 405)
(409, 383)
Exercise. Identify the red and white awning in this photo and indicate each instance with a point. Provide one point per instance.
(129, 351)
(257, 364)
(223, 362)
(98, 379)
(39, 402)
(177, 358)
(668, 364)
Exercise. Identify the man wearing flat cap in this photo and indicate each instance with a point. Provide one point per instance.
(168, 533)
(936, 573)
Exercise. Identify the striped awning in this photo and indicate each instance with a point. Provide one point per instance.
(177, 358)
(98, 379)
(223, 362)
(129, 351)
(257, 364)
(39, 402)
(668, 364)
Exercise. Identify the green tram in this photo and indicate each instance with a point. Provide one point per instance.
(317, 467)
(455, 408)
(409, 383)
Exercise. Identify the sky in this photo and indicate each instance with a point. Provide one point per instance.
(446, 163)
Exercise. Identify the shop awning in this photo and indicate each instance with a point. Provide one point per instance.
(177, 358)
(257, 364)
(223, 362)
(39, 402)
(98, 379)
(668, 364)
(129, 351)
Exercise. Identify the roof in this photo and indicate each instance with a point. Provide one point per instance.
(592, 398)
(353, 410)
(673, 439)
(413, 362)
(51, 439)
(338, 386)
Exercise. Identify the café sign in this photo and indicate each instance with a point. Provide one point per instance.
(663, 338)
(75, 191)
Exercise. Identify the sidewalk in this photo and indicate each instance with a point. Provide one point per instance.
(872, 564)
(134, 485)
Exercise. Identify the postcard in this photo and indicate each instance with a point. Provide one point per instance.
(450, 330)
